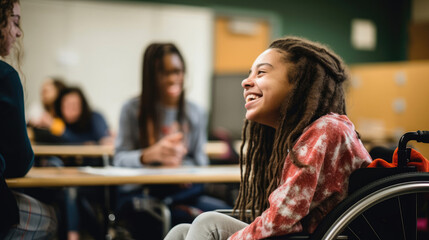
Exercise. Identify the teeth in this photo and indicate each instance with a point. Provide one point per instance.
(251, 97)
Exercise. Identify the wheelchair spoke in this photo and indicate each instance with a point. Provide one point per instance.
(369, 224)
(402, 218)
(351, 230)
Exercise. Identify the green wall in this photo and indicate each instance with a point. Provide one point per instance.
(329, 22)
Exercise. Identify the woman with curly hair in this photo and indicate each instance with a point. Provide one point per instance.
(22, 217)
(299, 147)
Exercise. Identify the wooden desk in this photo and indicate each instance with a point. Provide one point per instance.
(72, 176)
(214, 149)
(73, 150)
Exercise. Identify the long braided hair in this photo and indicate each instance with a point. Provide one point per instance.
(316, 74)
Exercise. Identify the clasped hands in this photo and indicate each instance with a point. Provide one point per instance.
(169, 151)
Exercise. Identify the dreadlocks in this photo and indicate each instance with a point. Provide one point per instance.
(316, 74)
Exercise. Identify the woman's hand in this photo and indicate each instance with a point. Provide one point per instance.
(168, 151)
(107, 141)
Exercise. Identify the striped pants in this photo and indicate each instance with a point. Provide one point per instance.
(37, 220)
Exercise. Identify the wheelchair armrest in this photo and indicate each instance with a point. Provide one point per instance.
(364, 176)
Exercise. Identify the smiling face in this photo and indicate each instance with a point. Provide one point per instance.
(266, 88)
(12, 30)
(170, 80)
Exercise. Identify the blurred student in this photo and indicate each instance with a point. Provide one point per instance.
(42, 115)
(79, 125)
(161, 128)
(22, 217)
(74, 122)
(301, 150)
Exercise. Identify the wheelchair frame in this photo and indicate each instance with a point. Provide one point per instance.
(400, 183)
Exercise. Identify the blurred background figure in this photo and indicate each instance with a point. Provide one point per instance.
(41, 114)
(69, 119)
(79, 123)
(161, 128)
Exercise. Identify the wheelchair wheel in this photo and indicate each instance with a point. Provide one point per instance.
(384, 209)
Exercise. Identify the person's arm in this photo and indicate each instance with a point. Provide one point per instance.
(100, 126)
(15, 148)
(98, 131)
(198, 138)
(330, 153)
(127, 150)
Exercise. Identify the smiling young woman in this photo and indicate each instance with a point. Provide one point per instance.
(301, 147)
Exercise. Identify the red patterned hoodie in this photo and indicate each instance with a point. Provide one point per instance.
(331, 149)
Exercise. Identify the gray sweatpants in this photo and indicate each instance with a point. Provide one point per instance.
(208, 225)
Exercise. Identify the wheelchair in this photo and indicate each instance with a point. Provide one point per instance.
(383, 203)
